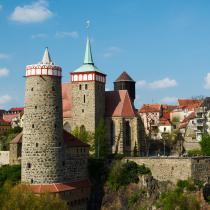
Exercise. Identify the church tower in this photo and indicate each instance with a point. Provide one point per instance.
(43, 145)
(125, 82)
(88, 93)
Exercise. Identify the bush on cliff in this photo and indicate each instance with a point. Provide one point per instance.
(205, 144)
(177, 200)
(122, 174)
(10, 173)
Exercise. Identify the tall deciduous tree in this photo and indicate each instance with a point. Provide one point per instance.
(205, 144)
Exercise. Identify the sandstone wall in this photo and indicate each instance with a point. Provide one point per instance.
(4, 158)
(166, 169)
(88, 104)
(176, 168)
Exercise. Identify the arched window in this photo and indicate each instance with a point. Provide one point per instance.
(112, 132)
(127, 133)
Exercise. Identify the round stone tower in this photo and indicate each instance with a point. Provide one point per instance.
(43, 144)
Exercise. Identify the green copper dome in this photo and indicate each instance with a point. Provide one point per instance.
(88, 64)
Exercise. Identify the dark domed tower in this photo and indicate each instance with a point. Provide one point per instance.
(125, 82)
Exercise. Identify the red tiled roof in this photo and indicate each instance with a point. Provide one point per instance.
(16, 109)
(59, 187)
(118, 104)
(4, 121)
(169, 107)
(183, 125)
(150, 108)
(17, 139)
(164, 121)
(166, 115)
(189, 117)
(72, 141)
(66, 99)
(124, 77)
(189, 102)
(69, 140)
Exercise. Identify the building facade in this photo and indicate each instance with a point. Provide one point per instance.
(86, 103)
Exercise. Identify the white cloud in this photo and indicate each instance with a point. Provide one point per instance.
(159, 84)
(3, 56)
(35, 12)
(39, 36)
(4, 72)
(207, 81)
(169, 99)
(111, 51)
(63, 34)
(5, 99)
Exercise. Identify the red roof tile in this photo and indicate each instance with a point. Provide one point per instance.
(124, 77)
(59, 187)
(66, 99)
(164, 121)
(72, 141)
(189, 102)
(150, 108)
(16, 109)
(118, 104)
(17, 139)
(69, 140)
(189, 117)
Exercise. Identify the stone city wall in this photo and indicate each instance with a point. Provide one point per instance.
(4, 158)
(176, 168)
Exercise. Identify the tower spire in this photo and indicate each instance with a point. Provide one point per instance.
(46, 57)
(88, 59)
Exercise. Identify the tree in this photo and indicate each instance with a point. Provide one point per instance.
(205, 144)
(20, 197)
(101, 148)
(84, 135)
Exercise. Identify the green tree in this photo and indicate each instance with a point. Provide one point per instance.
(20, 197)
(205, 144)
(101, 148)
(85, 136)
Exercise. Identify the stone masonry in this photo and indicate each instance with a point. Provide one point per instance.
(88, 104)
(176, 168)
(42, 149)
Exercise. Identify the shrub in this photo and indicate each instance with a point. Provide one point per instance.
(194, 152)
(205, 144)
(177, 200)
(185, 185)
(122, 174)
(10, 173)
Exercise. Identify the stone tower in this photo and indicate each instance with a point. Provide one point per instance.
(43, 145)
(88, 93)
(125, 82)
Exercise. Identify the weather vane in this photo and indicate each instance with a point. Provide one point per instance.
(88, 24)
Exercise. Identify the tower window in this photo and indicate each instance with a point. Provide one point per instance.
(82, 110)
(63, 163)
(32, 125)
(35, 107)
(32, 89)
(80, 87)
(32, 181)
(84, 98)
(37, 144)
(55, 126)
(127, 133)
(53, 88)
(28, 165)
(86, 86)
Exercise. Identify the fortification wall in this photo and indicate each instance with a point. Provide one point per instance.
(176, 168)
(4, 158)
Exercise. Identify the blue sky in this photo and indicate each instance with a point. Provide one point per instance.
(164, 45)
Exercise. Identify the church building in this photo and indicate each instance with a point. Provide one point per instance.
(86, 102)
